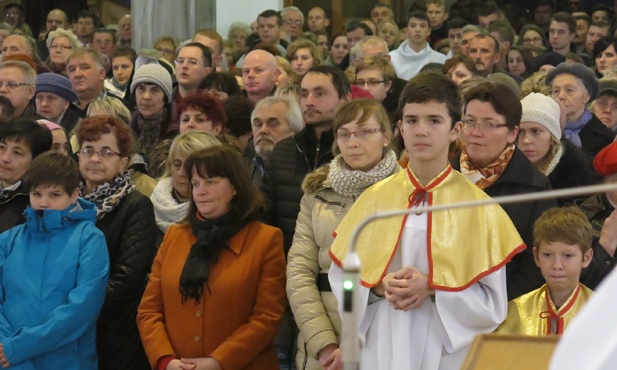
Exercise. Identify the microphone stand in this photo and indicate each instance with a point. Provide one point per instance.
(350, 336)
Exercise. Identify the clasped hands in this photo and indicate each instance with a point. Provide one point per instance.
(405, 289)
(205, 363)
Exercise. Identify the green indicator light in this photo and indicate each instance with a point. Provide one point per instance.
(348, 285)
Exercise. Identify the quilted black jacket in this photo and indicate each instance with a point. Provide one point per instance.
(12, 208)
(130, 231)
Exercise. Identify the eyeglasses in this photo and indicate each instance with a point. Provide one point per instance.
(12, 85)
(532, 40)
(191, 61)
(360, 134)
(370, 83)
(61, 47)
(297, 22)
(165, 51)
(470, 124)
(11, 15)
(105, 153)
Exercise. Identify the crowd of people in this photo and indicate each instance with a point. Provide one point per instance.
(190, 205)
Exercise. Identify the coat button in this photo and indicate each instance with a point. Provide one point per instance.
(196, 338)
(197, 313)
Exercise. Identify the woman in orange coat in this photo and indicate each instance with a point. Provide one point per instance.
(216, 292)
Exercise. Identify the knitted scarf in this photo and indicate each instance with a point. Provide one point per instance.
(572, 129)
(108, 195)
(149, 130)
(484, 177)
(167, 210)
(212, 237)
(348, 182)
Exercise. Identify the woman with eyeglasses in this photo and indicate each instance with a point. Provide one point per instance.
(60, 43)
(126, 217)
(531, 36)
(167, 46)
(491, 160)
(362, 134)
(303, 55)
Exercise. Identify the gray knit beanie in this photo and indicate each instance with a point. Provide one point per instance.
(153, 74)
(543, 110)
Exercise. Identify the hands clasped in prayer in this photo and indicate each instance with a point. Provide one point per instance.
(405, 289)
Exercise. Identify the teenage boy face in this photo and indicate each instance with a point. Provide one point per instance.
(53, 197)
(561, 264)
(427, 132)
(417, 30)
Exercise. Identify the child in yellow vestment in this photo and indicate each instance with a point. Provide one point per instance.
(562, 240)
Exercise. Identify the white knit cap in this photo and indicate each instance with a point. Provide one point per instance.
(543, 110)
(153, 74)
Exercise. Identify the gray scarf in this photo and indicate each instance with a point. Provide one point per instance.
(348, 182)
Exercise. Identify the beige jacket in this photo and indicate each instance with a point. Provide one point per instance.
(315, 312)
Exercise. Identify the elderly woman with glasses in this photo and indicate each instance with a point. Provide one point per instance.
(362, 143)
(491, 160)
(60, 43)
(126, 218)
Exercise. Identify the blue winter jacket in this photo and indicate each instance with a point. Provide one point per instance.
(53, 277)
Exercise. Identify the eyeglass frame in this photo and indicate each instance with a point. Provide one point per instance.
(471, 124)
(108, 154)
(290, 21)
(62, 47)
(12, 85)
(369, 83)
(363, 133)
(192, 62)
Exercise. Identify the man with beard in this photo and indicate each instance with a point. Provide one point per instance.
(323, 91)
(272, 120)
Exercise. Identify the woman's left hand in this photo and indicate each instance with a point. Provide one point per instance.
(203, 363)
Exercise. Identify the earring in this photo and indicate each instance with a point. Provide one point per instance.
(385, 145)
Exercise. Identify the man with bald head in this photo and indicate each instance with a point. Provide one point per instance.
(56, 18)
(259, 73)
(318, 20)
(18, 44)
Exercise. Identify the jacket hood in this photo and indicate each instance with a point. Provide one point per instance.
(82, 210)
(315, 180)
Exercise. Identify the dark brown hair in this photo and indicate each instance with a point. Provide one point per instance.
(502, 98)
(51, 169)
(224, 161)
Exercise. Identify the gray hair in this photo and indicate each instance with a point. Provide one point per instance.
(75, 43)
(238, 26)
(292, 8)
(370, 40)
(294, 112)
(29, 73)
(472, 28)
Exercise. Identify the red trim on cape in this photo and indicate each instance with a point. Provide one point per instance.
(430, 186)
(558, 315)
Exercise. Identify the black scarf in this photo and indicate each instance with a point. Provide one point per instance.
(212, 237)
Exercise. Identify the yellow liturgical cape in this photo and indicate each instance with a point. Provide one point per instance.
(535, 314)
(463, 244)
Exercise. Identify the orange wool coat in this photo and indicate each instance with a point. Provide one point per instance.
(241, 309)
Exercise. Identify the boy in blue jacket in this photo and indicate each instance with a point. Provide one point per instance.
(53, 274)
